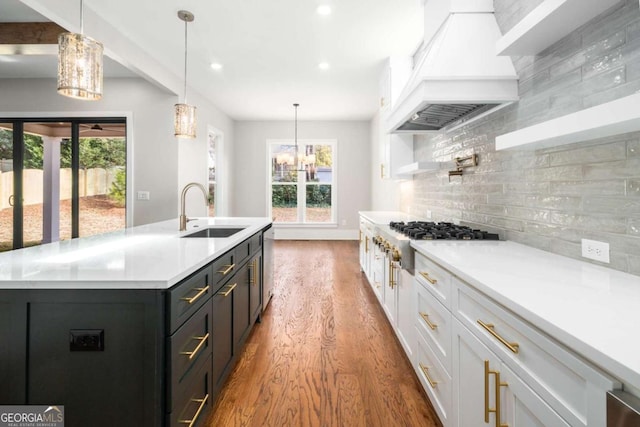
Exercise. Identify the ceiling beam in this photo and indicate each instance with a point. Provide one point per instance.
(30, 33)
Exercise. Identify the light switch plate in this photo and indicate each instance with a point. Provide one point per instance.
(143, 195)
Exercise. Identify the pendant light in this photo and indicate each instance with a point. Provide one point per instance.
(185, 115)
(79, 64)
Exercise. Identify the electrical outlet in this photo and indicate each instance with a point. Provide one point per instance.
(143, 195)
(86, 340)
(595, 250)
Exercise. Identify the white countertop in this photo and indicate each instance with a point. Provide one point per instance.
(591, 309)
(385, 217)
(152, 256)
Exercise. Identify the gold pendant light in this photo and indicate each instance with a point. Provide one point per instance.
(79, 64)
(184, 121)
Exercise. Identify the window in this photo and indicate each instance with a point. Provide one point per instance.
(302, 192)
(212, 162)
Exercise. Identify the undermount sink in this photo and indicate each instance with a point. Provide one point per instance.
(213, 232)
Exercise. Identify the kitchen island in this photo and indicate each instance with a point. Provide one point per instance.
(138, 327)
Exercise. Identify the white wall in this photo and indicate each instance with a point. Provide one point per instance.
(354, 165)
(161, 163)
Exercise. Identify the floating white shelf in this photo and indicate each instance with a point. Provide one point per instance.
(416, 167)
(608, 119)
(548, 23)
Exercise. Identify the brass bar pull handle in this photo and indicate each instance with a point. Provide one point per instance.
(197, 296)
(513, 346)
(392, 270)
(425, 371)
(366, 244)
(227, 270)
(487, 409)
(202, 403)
(428, 278)
(228, 291)
(254, 272)
(499, 400)
(195, 351)
(381, 164)
(425, 317)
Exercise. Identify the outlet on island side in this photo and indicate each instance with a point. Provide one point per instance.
(595, 250)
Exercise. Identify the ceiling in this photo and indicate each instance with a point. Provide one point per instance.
(270, 50)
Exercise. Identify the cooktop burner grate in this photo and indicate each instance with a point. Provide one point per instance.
(426, 230)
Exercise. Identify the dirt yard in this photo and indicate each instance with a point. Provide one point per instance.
(98, 214)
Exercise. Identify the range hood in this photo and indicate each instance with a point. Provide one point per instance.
(459, 75)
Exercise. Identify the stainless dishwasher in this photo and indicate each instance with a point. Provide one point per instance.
(623, 409)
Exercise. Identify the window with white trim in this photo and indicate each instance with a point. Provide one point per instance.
(302, 188)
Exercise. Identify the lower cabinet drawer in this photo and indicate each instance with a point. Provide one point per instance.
(186, 297)
(433, 320)
(574, 389)
(434, 278)
(187, 347)
(435, 380)
(194, 400)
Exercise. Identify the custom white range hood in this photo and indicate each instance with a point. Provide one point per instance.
(459, 75)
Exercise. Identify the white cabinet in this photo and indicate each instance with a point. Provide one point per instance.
(396, 150)
(406, 311)
(571, 387)
(489, 392)
(378, 269)
(366, 236)
(481, 364)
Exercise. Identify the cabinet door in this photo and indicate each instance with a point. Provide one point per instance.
(377, 273)
(221, 332)
(241, 321)
(522, 407)
(474, 381)
(13, 336)
(392, 273)
(406, 312)
(255, 288)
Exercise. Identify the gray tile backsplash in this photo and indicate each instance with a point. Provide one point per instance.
(552, 198)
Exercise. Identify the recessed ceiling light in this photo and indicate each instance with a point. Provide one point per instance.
(323, 9)
(323, 65)
(216, 66)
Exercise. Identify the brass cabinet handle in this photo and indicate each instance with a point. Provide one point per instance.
(513, 346)
(228, 291)
(378, 285)
(382, 170)
(392, 282)
(253, 272)
(366, 244)
(425, 371)
(428, 278)
(227, 270)
(197, 296)
(195, 351)
(487, 409)
(425, 317)
(202, 403)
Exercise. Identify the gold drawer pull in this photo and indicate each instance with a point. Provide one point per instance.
(425, 371)
(253, 272)
(197, 296)
(227, 270)
(202, 403)
(425, 317)
(378, 285)
(428, 278)
(228, 291)
(491, 329)
(195, 351)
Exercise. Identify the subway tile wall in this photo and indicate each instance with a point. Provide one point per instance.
(551, 198)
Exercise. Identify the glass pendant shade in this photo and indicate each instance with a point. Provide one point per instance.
(185, 121)
(79, 67)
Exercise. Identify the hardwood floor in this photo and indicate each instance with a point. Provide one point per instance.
(324, 354)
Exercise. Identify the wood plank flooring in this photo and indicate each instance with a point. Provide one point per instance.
(324, 354)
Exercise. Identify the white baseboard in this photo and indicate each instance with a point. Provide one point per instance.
(291, 233)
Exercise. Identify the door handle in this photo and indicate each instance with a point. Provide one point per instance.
(11, 200)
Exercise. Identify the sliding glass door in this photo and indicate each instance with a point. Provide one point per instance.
(61, 178)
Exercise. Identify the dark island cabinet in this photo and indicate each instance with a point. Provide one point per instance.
(130, 357)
